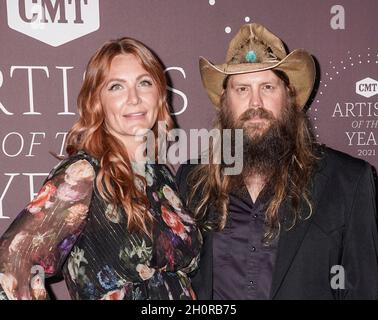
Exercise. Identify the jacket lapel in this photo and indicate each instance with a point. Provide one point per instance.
(291, 240)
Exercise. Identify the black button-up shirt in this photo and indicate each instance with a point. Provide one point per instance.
(242, 265)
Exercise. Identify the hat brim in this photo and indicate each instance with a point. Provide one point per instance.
(299, 66)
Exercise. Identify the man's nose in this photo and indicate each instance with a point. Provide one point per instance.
(255, 100)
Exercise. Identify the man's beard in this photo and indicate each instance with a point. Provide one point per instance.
(265, 143)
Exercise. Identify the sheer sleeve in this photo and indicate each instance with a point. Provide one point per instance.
(38, 241)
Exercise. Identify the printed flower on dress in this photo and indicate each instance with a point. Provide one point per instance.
(145, 272)
(39, 215)
(193, 265)
(38, 287)
(17, 240)
(155, 196)
(166, 248)
(173, 221)
(136, 294)
(68, 194)
(67, 243)
(40, 238)
(107, 278)
(74, 268)
(140, 250)
(118, 294)
(47, 263)
(90, 290)
(79, 171)
(149, 175)
(3, 296)
(112, 213)
(9, 285)
(185, 217)
(42, 198)
(167, 174)
(157, 281)
(169, 291)
(76, 215)
(172, 198)
(139, 184)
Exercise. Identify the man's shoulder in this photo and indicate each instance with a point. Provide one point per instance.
(333, 162)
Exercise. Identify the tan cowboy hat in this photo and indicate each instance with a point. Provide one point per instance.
(254, 48)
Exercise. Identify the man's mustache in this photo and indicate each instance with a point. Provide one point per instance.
(251, 113)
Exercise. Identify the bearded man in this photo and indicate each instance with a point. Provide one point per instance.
(299, 222)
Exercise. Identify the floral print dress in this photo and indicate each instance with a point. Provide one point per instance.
(69, 230)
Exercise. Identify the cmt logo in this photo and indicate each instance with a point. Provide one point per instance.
(367, 87)
(54, 22)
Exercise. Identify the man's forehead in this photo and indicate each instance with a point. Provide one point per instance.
(259, 76)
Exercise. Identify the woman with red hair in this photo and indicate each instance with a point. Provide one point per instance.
(103, 218)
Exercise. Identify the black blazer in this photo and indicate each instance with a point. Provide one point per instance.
(341, 231)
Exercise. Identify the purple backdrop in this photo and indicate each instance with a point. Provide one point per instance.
(45, 45)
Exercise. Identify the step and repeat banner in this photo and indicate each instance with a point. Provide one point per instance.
(46, 44)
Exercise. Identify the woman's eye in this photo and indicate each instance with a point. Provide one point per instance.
(115, 87)
(146, 83)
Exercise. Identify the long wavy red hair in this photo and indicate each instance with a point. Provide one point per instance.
(115, 179)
